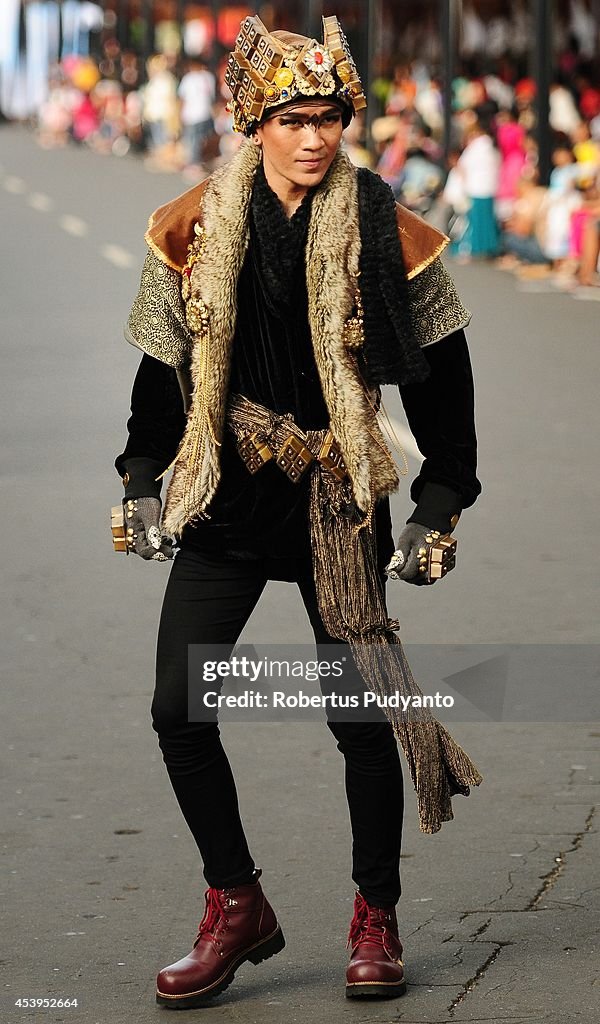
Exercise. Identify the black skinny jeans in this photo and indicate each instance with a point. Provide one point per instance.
(208, 600)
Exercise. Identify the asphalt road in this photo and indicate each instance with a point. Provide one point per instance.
(101, 882)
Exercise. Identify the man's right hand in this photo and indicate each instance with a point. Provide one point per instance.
(143, 531)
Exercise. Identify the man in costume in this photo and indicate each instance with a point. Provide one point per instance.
(276, 298)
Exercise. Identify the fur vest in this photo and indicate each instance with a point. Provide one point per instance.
(215, 217)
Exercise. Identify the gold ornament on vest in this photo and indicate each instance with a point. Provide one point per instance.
(354, 328)
(196, 311)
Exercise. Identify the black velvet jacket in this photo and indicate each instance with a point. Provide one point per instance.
(273, 363)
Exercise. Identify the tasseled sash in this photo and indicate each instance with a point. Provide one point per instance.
(352, 606)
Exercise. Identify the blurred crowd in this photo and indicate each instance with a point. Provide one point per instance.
(177, 118)
(487, 194)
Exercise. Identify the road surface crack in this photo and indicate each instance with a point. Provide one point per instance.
(479, 931)
(469, 985)
(419, 927)
(550, 879)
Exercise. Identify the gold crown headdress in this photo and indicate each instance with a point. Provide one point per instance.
(264, 71)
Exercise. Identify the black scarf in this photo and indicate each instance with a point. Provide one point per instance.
(391, 353)
(278, 243)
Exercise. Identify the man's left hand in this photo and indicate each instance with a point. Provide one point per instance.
(411, 547)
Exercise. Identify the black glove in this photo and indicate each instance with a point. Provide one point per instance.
(412, 546)
(143, 531)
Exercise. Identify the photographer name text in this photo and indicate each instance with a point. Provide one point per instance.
(279, 699)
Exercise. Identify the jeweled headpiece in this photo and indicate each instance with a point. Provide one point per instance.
(265, 71)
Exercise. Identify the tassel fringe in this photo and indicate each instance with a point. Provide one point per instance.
(352, 606)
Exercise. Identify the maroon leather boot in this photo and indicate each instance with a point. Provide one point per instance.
(375, 967)
(238, 925)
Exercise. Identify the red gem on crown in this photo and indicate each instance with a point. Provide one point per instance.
(319, 57)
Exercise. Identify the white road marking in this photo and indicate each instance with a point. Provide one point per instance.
(40, 201)
(404, 436)
(15, 185)
(118, 256)
(73, 225)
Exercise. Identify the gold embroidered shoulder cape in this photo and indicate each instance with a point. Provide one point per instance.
(216, 214)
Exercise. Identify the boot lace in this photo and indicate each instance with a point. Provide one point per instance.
(368, 924)
(214, 912)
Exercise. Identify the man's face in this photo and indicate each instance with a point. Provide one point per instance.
(300, 142)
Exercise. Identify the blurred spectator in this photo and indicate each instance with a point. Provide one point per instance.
(55, 114)
(402, 92)
(110, 104)
(590, 250)
(229, 141)
(510, 136)
(525, 95)
(354, 142)
(133, 119)
(584, 235)
(586, 151)
(524, 233)
(500, 91)
(589, 100)
(391, 135)
(562, 200)
(479, 166)
(159, 104)
(130, 71)
(564, 116)
(85, 118)
(429, 104)
(449, 213)
(197, 92)
(422, 177)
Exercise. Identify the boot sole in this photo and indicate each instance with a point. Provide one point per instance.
(263, 950)
(375, 990)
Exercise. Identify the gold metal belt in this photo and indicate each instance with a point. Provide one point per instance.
(263, 435)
